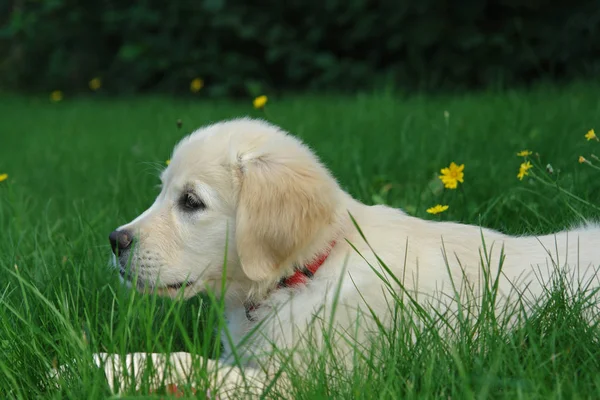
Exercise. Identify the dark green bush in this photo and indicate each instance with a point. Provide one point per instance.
(239, 47)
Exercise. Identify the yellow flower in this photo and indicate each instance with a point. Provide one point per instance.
(524, 153)
(168, 162)
(3, 177)
(591, 135)
(523, 170)
(196, 85)
(260, 101)
(437, 209)
(95, 84)
(56, 96)
(582, 159)
(452, 175)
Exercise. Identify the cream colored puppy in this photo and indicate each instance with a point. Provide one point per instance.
(246, 187)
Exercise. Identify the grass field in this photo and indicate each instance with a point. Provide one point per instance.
(79, 168)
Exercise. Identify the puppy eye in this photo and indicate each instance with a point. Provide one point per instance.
(190, 202)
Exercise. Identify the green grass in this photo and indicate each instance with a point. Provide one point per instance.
(79, 168)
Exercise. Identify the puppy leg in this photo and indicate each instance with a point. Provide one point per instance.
(178, 368)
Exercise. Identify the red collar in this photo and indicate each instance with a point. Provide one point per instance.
(300, 276)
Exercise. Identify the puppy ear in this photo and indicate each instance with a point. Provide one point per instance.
(286, 198)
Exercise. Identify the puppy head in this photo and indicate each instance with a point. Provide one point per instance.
(242, 185)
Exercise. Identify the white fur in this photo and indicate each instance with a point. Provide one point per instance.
(270, 198)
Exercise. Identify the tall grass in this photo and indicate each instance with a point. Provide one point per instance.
(79, 168)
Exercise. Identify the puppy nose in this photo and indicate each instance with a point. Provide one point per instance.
(120, 240)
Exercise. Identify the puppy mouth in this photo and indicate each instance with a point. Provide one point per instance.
(179, 285)
(172, 286)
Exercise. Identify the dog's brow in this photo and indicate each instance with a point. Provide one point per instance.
(189, 187)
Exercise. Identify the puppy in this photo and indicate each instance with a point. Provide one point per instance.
(299, 249)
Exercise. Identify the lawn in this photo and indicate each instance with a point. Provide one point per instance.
(79, 168)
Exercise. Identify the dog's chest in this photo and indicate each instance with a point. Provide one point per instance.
(238, 326)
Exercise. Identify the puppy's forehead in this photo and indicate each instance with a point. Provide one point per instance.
(200, 157)
(209, 153)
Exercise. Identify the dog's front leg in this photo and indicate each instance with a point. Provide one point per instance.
(132, 370)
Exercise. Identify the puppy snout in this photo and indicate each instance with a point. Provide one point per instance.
(120, 240)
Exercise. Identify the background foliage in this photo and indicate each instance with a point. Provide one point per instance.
(240, 48)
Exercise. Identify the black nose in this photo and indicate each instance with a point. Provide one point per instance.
(120, 240)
